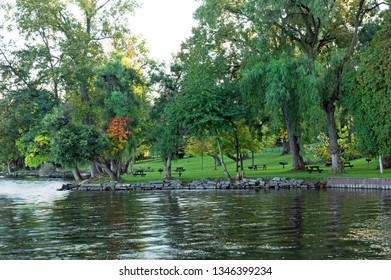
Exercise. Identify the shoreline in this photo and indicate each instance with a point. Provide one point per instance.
(244, 184)
(275, 183)
(210, 184)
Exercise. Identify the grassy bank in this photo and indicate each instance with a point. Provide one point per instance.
(198, 167)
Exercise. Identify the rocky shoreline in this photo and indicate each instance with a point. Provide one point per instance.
(245, 184)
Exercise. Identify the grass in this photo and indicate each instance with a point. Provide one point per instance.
(198, 167)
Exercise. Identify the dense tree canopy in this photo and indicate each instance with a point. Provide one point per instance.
(79, 89)
(369, 93)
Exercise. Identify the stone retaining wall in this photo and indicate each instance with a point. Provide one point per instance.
(250, 184)
(359, 183)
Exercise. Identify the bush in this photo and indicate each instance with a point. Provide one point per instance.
(347, 142)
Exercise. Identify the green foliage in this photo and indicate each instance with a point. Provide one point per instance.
(74, 145)
(240, 138)
(201, 146)
(118, 84)
(168, 133)
(210, 96)
(35, 151)
(347, 141)
(9, 133)
(368, 89)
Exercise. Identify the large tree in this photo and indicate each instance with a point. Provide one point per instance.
(168, 132)
(368, 92)
(210, 99)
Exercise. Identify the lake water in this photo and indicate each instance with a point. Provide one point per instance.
(39, 222)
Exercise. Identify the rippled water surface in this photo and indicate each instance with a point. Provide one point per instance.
(39, 222)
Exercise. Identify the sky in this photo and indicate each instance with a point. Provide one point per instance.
(164, 24)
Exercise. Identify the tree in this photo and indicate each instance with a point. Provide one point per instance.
(168, 132)
(74, 145)
(8, 135)
(368, 93)
(210, 99)
(120, 88)
(285, 87)
(118, 135)
(239, 141)
(201, 147)
(23, 113)
(72, 34)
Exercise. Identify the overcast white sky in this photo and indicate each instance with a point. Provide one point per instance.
(164, 24)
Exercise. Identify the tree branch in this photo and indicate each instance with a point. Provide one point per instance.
(14, 70)
(102, 6)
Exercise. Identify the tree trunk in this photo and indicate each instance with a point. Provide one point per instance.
(108, 171)
(126, 166)
(237, 156)
(221, 156)
(112, 166)
(333, 148)
(94, 170)
(119, 170)
(9, 168)
(216, 160)
(76, 174)
(285, 147)
(167, 168)
(297, 159)
(381, 165)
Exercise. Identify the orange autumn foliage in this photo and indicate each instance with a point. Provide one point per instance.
(118, 133)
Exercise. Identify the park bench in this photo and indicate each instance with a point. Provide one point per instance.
(180, 170)
(314, 168)
(139, 172)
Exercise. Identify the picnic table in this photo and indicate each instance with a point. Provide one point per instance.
(253, 167)
(314, 168)
(368, 160)
(347, 164)
(180, 170)
(139, 172)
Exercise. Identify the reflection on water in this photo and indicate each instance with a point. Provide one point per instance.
(38, 222)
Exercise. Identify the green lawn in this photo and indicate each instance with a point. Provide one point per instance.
(198, 167)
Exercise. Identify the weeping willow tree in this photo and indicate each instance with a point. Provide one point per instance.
(284, 87)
